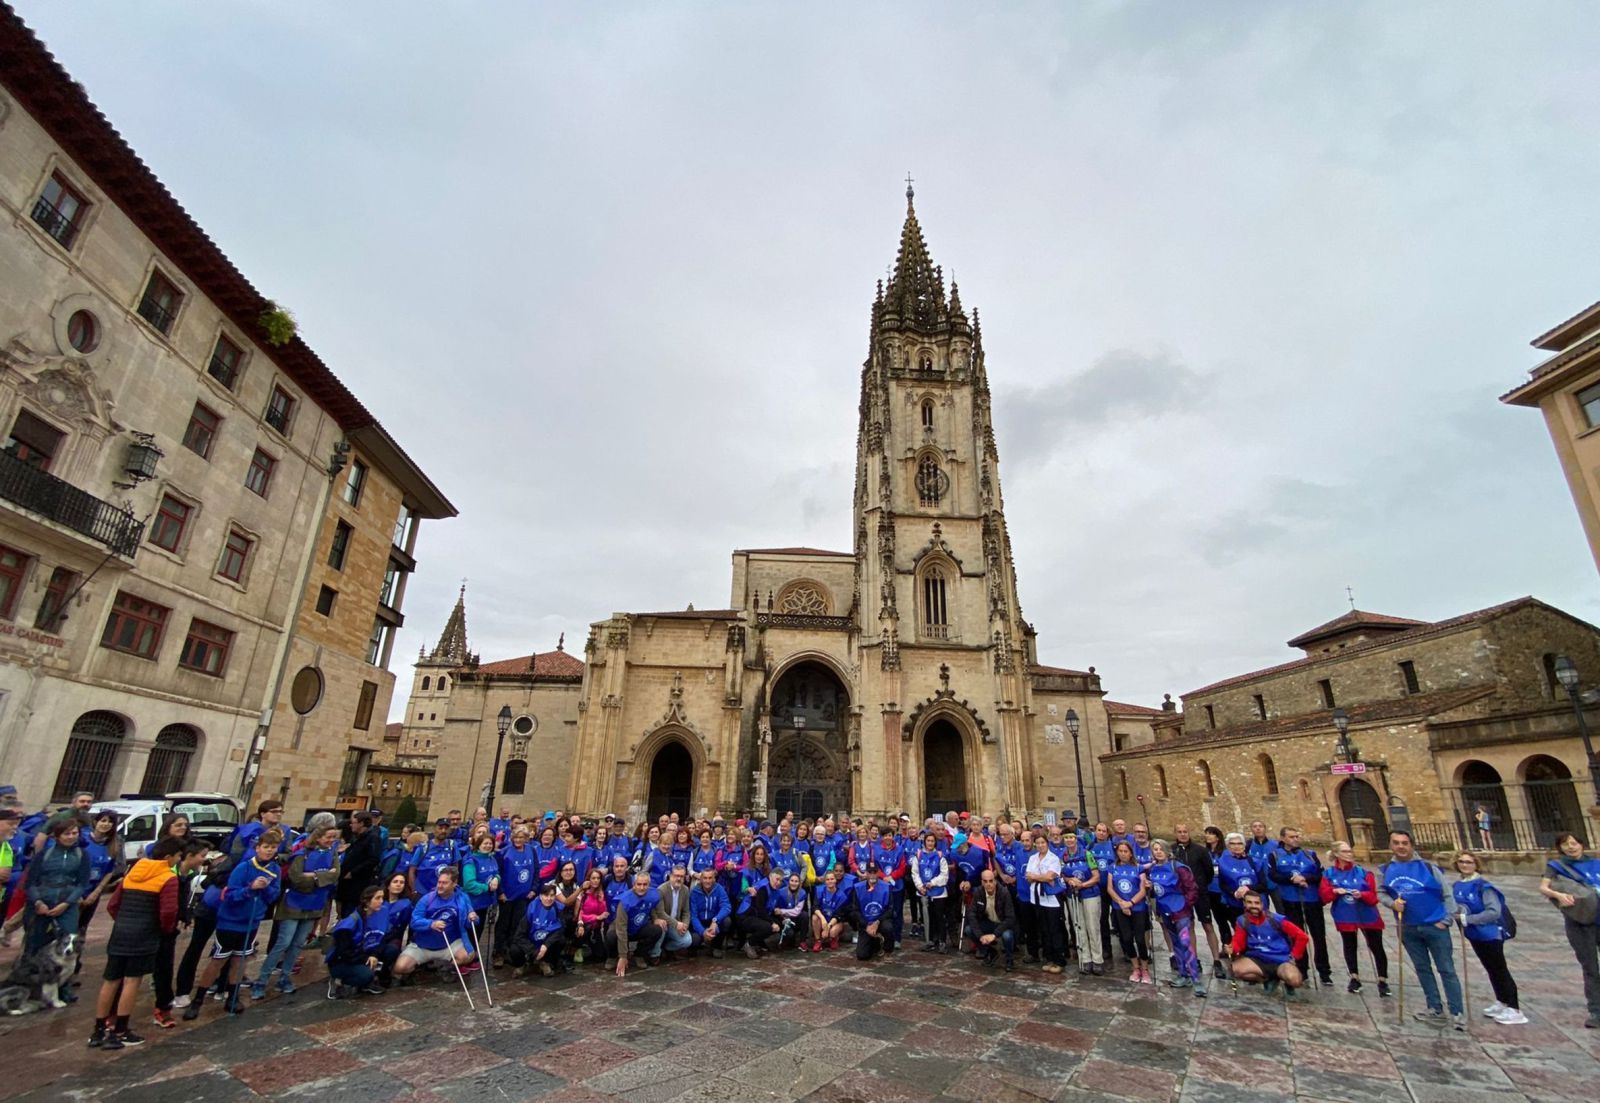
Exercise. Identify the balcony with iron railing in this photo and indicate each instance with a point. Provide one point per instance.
(41, 493)
(156, 314)
(55, 222)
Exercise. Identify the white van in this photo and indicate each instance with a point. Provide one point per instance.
(212, 817)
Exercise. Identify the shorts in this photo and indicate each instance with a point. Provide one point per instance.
(1202, 908)
(424, 956)
(234, 944)
(1268, 968)
(129, 966)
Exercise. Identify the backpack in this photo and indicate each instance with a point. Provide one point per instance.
(1508, 922)
(1586, 903)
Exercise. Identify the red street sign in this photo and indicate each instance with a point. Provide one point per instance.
(1349, 767)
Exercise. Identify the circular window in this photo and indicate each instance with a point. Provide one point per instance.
(83, 332)
(524, 725)
(306, 689)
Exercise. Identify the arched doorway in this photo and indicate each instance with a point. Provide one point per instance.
(1552, 800)
(944, 770)
(91, 749)
(671, 781)
(1358, 800)
(1481, 786)
(807, 769)
(168, 768)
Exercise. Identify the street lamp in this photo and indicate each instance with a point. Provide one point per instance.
(1077, 763)
(1344, 748)
(1567, 674)
(502, 723)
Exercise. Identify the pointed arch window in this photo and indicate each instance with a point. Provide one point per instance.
(935, 612)
(932, 482)
(927, 414)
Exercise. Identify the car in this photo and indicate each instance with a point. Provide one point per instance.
(212, 818)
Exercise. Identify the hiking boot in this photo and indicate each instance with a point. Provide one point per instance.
(1217, 971)
(1354, 986)
(1097, 968)
(751, 952)
(192, 1012)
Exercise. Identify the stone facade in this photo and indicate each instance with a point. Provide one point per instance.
(1443, 717)
(900, 675)
(1565, 387)
(153, 564)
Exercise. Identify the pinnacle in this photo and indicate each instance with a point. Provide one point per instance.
(916, 288)
(452, 646)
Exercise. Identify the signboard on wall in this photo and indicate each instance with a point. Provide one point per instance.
(1349, 767)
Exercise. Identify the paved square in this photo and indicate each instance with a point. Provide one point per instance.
(913, 1028)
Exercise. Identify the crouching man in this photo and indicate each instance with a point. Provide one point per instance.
(1265, 947)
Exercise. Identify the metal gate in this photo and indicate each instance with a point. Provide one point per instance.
(1553, 804)
(91, 751)
(168, 768)
(1359, 800)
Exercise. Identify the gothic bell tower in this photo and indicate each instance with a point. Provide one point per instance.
(936, 595)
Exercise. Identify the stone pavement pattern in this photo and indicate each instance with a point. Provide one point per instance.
(913, 1028)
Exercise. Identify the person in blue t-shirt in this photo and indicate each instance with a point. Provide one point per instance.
(1568, 872)
(1483, 924)
(874, 931)
(1295, 872)
(1416, 892)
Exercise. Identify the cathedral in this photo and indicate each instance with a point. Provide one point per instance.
(897, 676)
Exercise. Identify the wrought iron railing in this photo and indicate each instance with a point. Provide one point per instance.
(156, 314)
(57, 500)
(1530, 835)
(53, 221)
(222, 371)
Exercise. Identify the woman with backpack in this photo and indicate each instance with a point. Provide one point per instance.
(1352, 895)
(57, 881)
(1130, 914)
(1487, 924)
(1572, 881)
(1171, 884)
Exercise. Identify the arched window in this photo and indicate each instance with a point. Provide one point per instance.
(91, 749)
(925, 362)
(516, 779)
(426, 681)
(444, 683)
(1269, 775)
(927, 413)
(1305, 789)
(935, 615)
(168, 768)
(1122, 779)
(1205, 778)
(931, 480)
(1161, 781)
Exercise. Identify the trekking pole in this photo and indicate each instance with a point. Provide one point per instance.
(483, 970)
(466, 991)
(1400, 964)
(1466, 993)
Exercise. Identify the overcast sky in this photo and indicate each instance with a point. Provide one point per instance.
(1252, 278)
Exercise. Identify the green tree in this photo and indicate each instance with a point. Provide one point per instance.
(406, 813)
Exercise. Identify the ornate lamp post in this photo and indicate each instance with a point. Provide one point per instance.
(502, 723)
(1567, 674)
(1345, 749)
(1077, 763)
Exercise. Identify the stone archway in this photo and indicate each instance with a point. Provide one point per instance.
(1552, 800)
(944, 769)
(809, 713)
(671, 781)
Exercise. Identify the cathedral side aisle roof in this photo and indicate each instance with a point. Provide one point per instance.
(548, 664)
(793, 551)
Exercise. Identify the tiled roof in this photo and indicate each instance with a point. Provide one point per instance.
(794, 551)
(1350, 621)
(391, 732)
(1422, 632)
(1559, 337)
(1123, 709)
(1417, 706)
(1036, 669)
(547, 664)
(694, 614)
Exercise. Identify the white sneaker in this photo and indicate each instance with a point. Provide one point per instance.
(1494, 1009)
(180, 1002)
(1510, 1016)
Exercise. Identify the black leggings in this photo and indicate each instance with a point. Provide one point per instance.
(1352, 960)
(205, 924)
(1493, 957)
(1225, 918)
(1131, 932)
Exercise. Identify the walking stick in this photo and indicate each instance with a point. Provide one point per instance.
(1466, 993)
(1400, 964)
(457, 965)
(483, 970)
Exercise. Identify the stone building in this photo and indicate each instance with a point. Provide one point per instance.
(166, 483)
(1565, 387)
(898, 675)
(1441, 717)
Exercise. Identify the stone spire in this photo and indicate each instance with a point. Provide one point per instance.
(916, 288)
(452, 646)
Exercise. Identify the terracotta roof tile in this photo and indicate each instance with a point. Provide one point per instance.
(1123, 709)
(1354, 619)
(547, 664)
(1423, 631)
(392, 731)
(793, 551)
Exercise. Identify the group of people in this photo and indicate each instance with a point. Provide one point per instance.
(548, 894)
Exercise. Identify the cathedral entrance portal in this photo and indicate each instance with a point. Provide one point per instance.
(671, 781)
(807, 772)
(944, 770)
